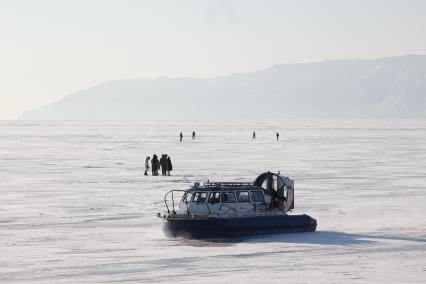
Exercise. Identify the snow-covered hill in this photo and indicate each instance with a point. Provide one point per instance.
(387, 87)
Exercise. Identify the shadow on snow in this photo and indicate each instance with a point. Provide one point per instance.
(315, 238)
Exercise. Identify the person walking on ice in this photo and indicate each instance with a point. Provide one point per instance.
(181, 136)
(254, 135)
(278, 135)
(193, 135)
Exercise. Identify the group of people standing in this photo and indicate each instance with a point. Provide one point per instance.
(165, 163)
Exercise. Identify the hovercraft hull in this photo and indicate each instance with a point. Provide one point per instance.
(238, 227)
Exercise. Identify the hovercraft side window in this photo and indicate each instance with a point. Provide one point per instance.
(228, 197)
(214, 197)
(200, 197)
(243, 196)
(257, 196)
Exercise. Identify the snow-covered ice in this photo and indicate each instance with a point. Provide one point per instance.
(75, 206)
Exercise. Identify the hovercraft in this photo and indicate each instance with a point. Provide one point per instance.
(234, 209)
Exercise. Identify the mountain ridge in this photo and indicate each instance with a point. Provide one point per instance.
(391, 87)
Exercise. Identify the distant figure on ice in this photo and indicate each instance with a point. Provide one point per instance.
(181, 136)
(193, 135)
(278, 135)
(254, 135)
(169, 165)
(147, 165)
(155, 165)
(163, 164)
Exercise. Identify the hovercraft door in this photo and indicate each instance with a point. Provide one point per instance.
(214, 202)
(199, 203)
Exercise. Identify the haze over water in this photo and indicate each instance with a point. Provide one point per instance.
(75, 206)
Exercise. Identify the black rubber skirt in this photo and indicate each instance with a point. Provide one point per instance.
(239, 227)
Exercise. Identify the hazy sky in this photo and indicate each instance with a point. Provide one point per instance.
(50, 48)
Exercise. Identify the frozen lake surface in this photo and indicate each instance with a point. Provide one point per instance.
(75, 206)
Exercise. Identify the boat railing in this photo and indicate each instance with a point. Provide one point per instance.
(227, 184)
(173, 200)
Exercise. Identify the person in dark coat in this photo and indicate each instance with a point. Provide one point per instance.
(254, 135)
(163, 164)
(155, 165)
(193, 135)
(169, 165)
(278, 135)
(181, 136)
